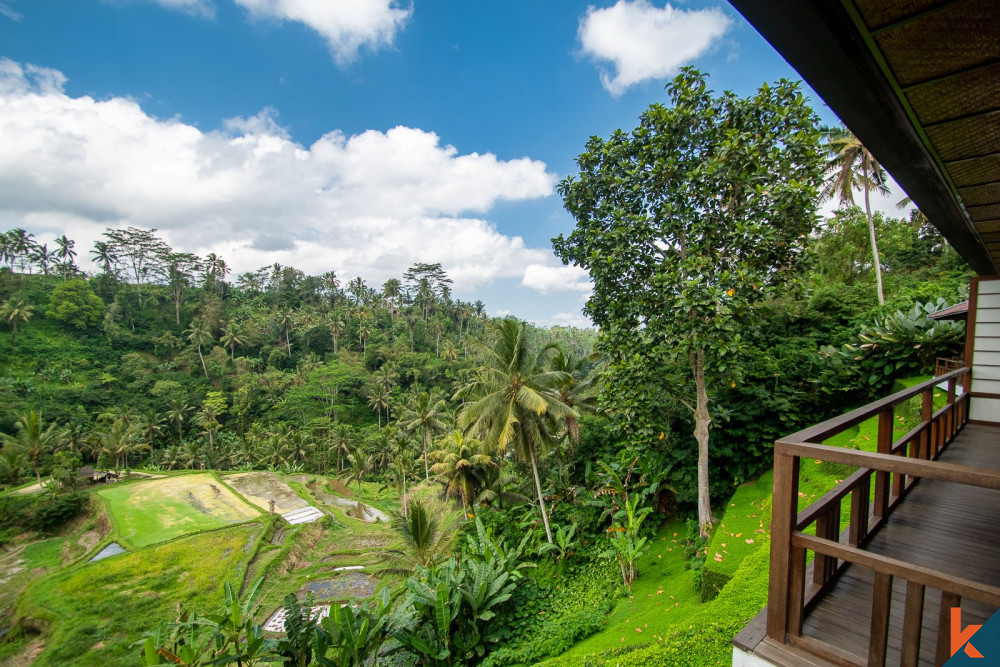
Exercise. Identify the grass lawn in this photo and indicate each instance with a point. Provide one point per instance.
(97, 610)
(156, 511)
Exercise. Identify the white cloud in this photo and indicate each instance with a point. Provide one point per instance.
(578, 320)
(203, 8)
(8, 11)
(369, 204)
(886, 204)
(548, 279)
(346, 25)
(644, 42)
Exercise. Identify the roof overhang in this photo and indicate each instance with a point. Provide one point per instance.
(918, 82)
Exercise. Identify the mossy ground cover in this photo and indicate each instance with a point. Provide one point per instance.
(95, 611)
(151, 512)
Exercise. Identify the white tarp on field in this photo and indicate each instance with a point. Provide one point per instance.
(306, 514)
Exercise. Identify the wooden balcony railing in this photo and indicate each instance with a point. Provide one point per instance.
(943, 366)
(892, 469)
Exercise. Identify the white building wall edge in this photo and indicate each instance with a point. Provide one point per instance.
(743, 658)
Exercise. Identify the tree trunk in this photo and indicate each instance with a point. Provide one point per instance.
(702, 420)
(205, 370)
(875, 258)
(177, 308)
(541, 499)
(427, 473)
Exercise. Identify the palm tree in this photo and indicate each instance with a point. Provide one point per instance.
(65, 252)
(285, 324)
(171, 457)
(852, 167)
(191, 455)
(16, 311)
(463, 464)
(342, 444)
(299, 446)
(401, 470)
(358, 463)
(513, 399)
(378, 399)
(424, 532)
(116, 440)
(176, 413)
(336, 324)
(33, 439)
(448, 351)
(392, 289)
(40, 255)
(578, 396)
(200, 335)
(104, 255)
(150, 428)
(231, 338)
(424, 415)
(21, 244)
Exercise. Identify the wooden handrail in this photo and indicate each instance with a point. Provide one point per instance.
(926, 576)
(946, 472)
(890, 471)
(823, 430)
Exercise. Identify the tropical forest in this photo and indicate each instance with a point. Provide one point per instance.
(201, 466)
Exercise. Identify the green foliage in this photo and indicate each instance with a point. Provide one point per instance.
(896, 345)
(74, 304)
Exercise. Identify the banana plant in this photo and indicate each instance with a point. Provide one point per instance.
(304, 637)
(237, 635)
(356, 633)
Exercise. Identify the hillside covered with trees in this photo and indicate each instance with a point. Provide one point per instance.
(570, 453)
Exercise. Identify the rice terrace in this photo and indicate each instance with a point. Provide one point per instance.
(146, 513)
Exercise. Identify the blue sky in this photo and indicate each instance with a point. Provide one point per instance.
(356, 136)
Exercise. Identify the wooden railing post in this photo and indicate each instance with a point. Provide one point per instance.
(884, 446)
(880, 619)
(859, 512)
(827, 527)
(912, 625)
(926, 413)
(784, 510)
(943, 649)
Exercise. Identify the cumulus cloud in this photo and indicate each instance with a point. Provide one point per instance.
(366, 204)
(547, 279)
(644, 42)
(347, 26)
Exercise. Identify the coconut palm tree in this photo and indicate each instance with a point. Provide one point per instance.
(65, 252)
(424, 415)
(514, 400)
(33, 439)
(116, 439)
(300, 445)
(104, 255)
(285, 323)
(578, 395)
(176, 413)
(424, 532)
(378, 400)
(16, 311)
(449, 351)
(231, 339)
(852, 167)
(358, 464)
(463, 465)
(41, 256)
(171, 457)
(336, 325)
(199, 334)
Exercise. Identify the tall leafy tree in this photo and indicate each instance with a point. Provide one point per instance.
(852, 167)
(181, 269)
(140, 252)
(513, 401)
(685, 224)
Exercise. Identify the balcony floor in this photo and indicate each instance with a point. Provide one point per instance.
(947, 527)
